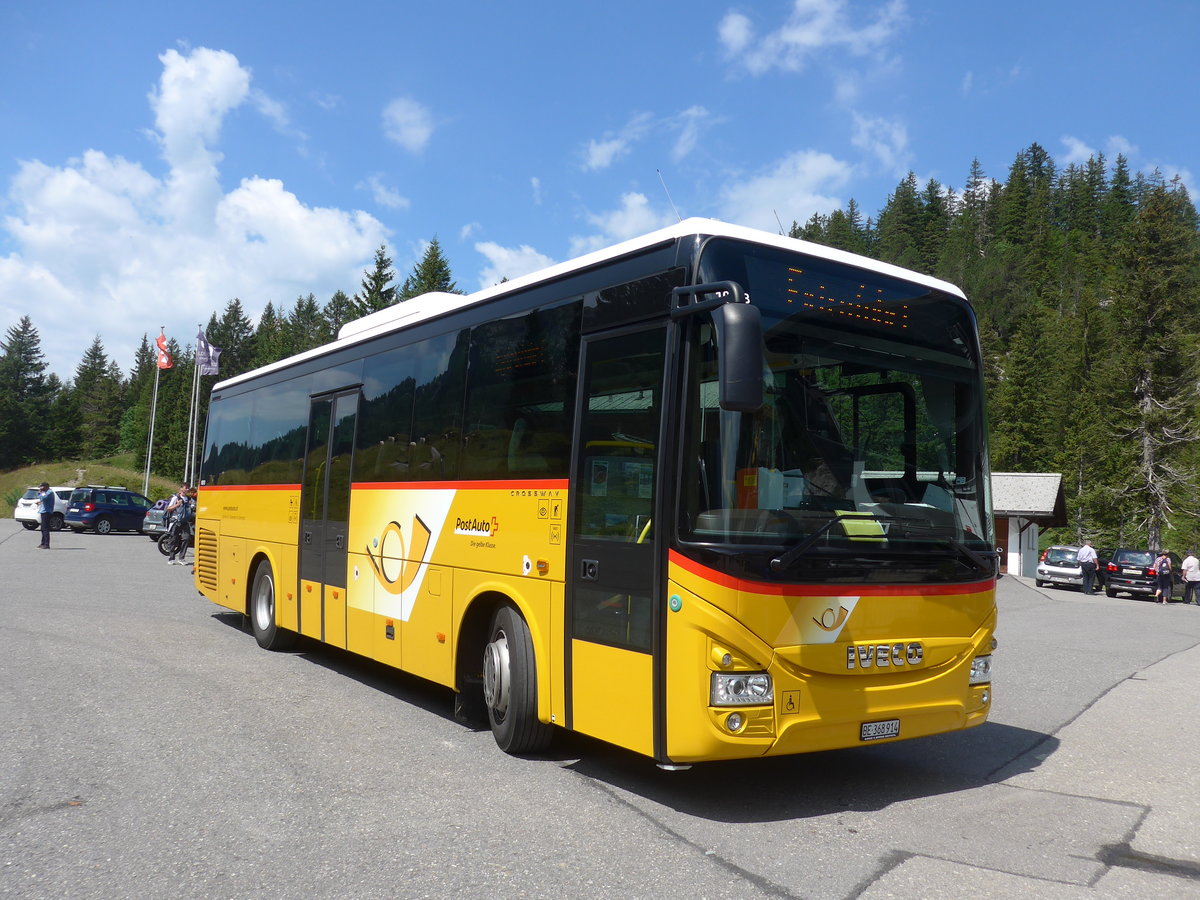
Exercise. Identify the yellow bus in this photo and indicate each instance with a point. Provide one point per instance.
(708, 494)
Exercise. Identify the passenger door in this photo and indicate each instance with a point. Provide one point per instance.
(325, 516)
(612, 589)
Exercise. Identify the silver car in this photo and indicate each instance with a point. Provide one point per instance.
(155, 522)
(1060, 565)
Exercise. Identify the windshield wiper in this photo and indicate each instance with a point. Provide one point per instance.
(907, 526)
(985, 561)
(784, 561)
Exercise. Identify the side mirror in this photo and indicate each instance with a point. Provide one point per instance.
(739, 356)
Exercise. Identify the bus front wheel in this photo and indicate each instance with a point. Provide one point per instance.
(262, 612)
(510, 685)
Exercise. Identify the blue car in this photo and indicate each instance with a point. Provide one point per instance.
(106, 509)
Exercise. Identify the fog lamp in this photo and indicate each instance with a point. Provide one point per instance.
(740, 689)
(981, 669)
(734, 722)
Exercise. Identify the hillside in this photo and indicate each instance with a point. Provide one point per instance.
(115, 470)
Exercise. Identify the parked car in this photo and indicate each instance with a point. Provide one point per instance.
(26, 510)
(1103, 555)
(1059, 565)
(154, 523)
(1132, 572)
(106, 508)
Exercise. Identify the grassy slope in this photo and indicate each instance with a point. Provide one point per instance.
(116, 470)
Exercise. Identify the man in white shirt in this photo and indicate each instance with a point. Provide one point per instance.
(1191, 577)
(1087, 561)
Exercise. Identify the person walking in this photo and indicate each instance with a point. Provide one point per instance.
(1191, 577)
(46, 500)
(1162, 572)
(1087, 561)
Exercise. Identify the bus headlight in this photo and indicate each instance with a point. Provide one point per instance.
(740, 689)
(981, 670)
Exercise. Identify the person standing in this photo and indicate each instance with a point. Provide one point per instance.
(46, 500)
(185, 514)
(1191, 577)
(1087, 561)
(1162, 572)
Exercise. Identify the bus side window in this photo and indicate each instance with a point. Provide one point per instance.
(519, 400)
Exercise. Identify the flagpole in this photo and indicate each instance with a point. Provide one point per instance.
(187, 461)
(150, 441)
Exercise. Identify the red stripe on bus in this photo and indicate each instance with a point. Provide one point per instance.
(249, 487)
(825, 590)
(544, 485)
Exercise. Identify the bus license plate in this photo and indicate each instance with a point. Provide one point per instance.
(874, 731)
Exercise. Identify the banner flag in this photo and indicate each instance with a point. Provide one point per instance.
(206, 355)
(164, 358)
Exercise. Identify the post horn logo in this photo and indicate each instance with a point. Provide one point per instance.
(396, 562)
(832, 620)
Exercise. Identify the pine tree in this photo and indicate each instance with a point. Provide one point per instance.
(1159, 261)
(432, 273)
(306, 325)
(270, 341)
(99, 398)
(337, 312)
(900, 226)
(377, 290)
(234, 334)
(24, 396)
(135, 421)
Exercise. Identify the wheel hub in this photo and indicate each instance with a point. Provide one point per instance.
(496, 674)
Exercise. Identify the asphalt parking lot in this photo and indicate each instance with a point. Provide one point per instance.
(149, 748)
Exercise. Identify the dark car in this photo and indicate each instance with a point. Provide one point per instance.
(1132, 572)
(1103, 555)
(106, 508)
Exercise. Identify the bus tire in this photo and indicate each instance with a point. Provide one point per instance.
(510, 685)
(262, 611)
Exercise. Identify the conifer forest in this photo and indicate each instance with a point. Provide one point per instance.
(1085, 280)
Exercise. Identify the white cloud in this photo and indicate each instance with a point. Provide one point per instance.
(469, 230)
(105, 247)
(535, 184)
(1118, 146)
(794, 188)
(690, 123)
(968, 82)
(632, 218)
(735, 32)
(600, 154)
(382, 194)
(408, 123)
(509, 262)
(813, 27)
(1077, 151)
(884, 139)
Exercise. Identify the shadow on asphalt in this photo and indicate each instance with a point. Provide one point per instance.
(742, 791)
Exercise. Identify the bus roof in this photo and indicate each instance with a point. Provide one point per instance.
(435, 304)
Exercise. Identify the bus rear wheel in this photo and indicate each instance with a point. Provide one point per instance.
(262, 612)
(510, 685)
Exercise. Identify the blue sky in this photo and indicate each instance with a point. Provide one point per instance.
(158, 159)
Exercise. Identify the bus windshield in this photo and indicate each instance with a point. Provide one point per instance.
(866, 461)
